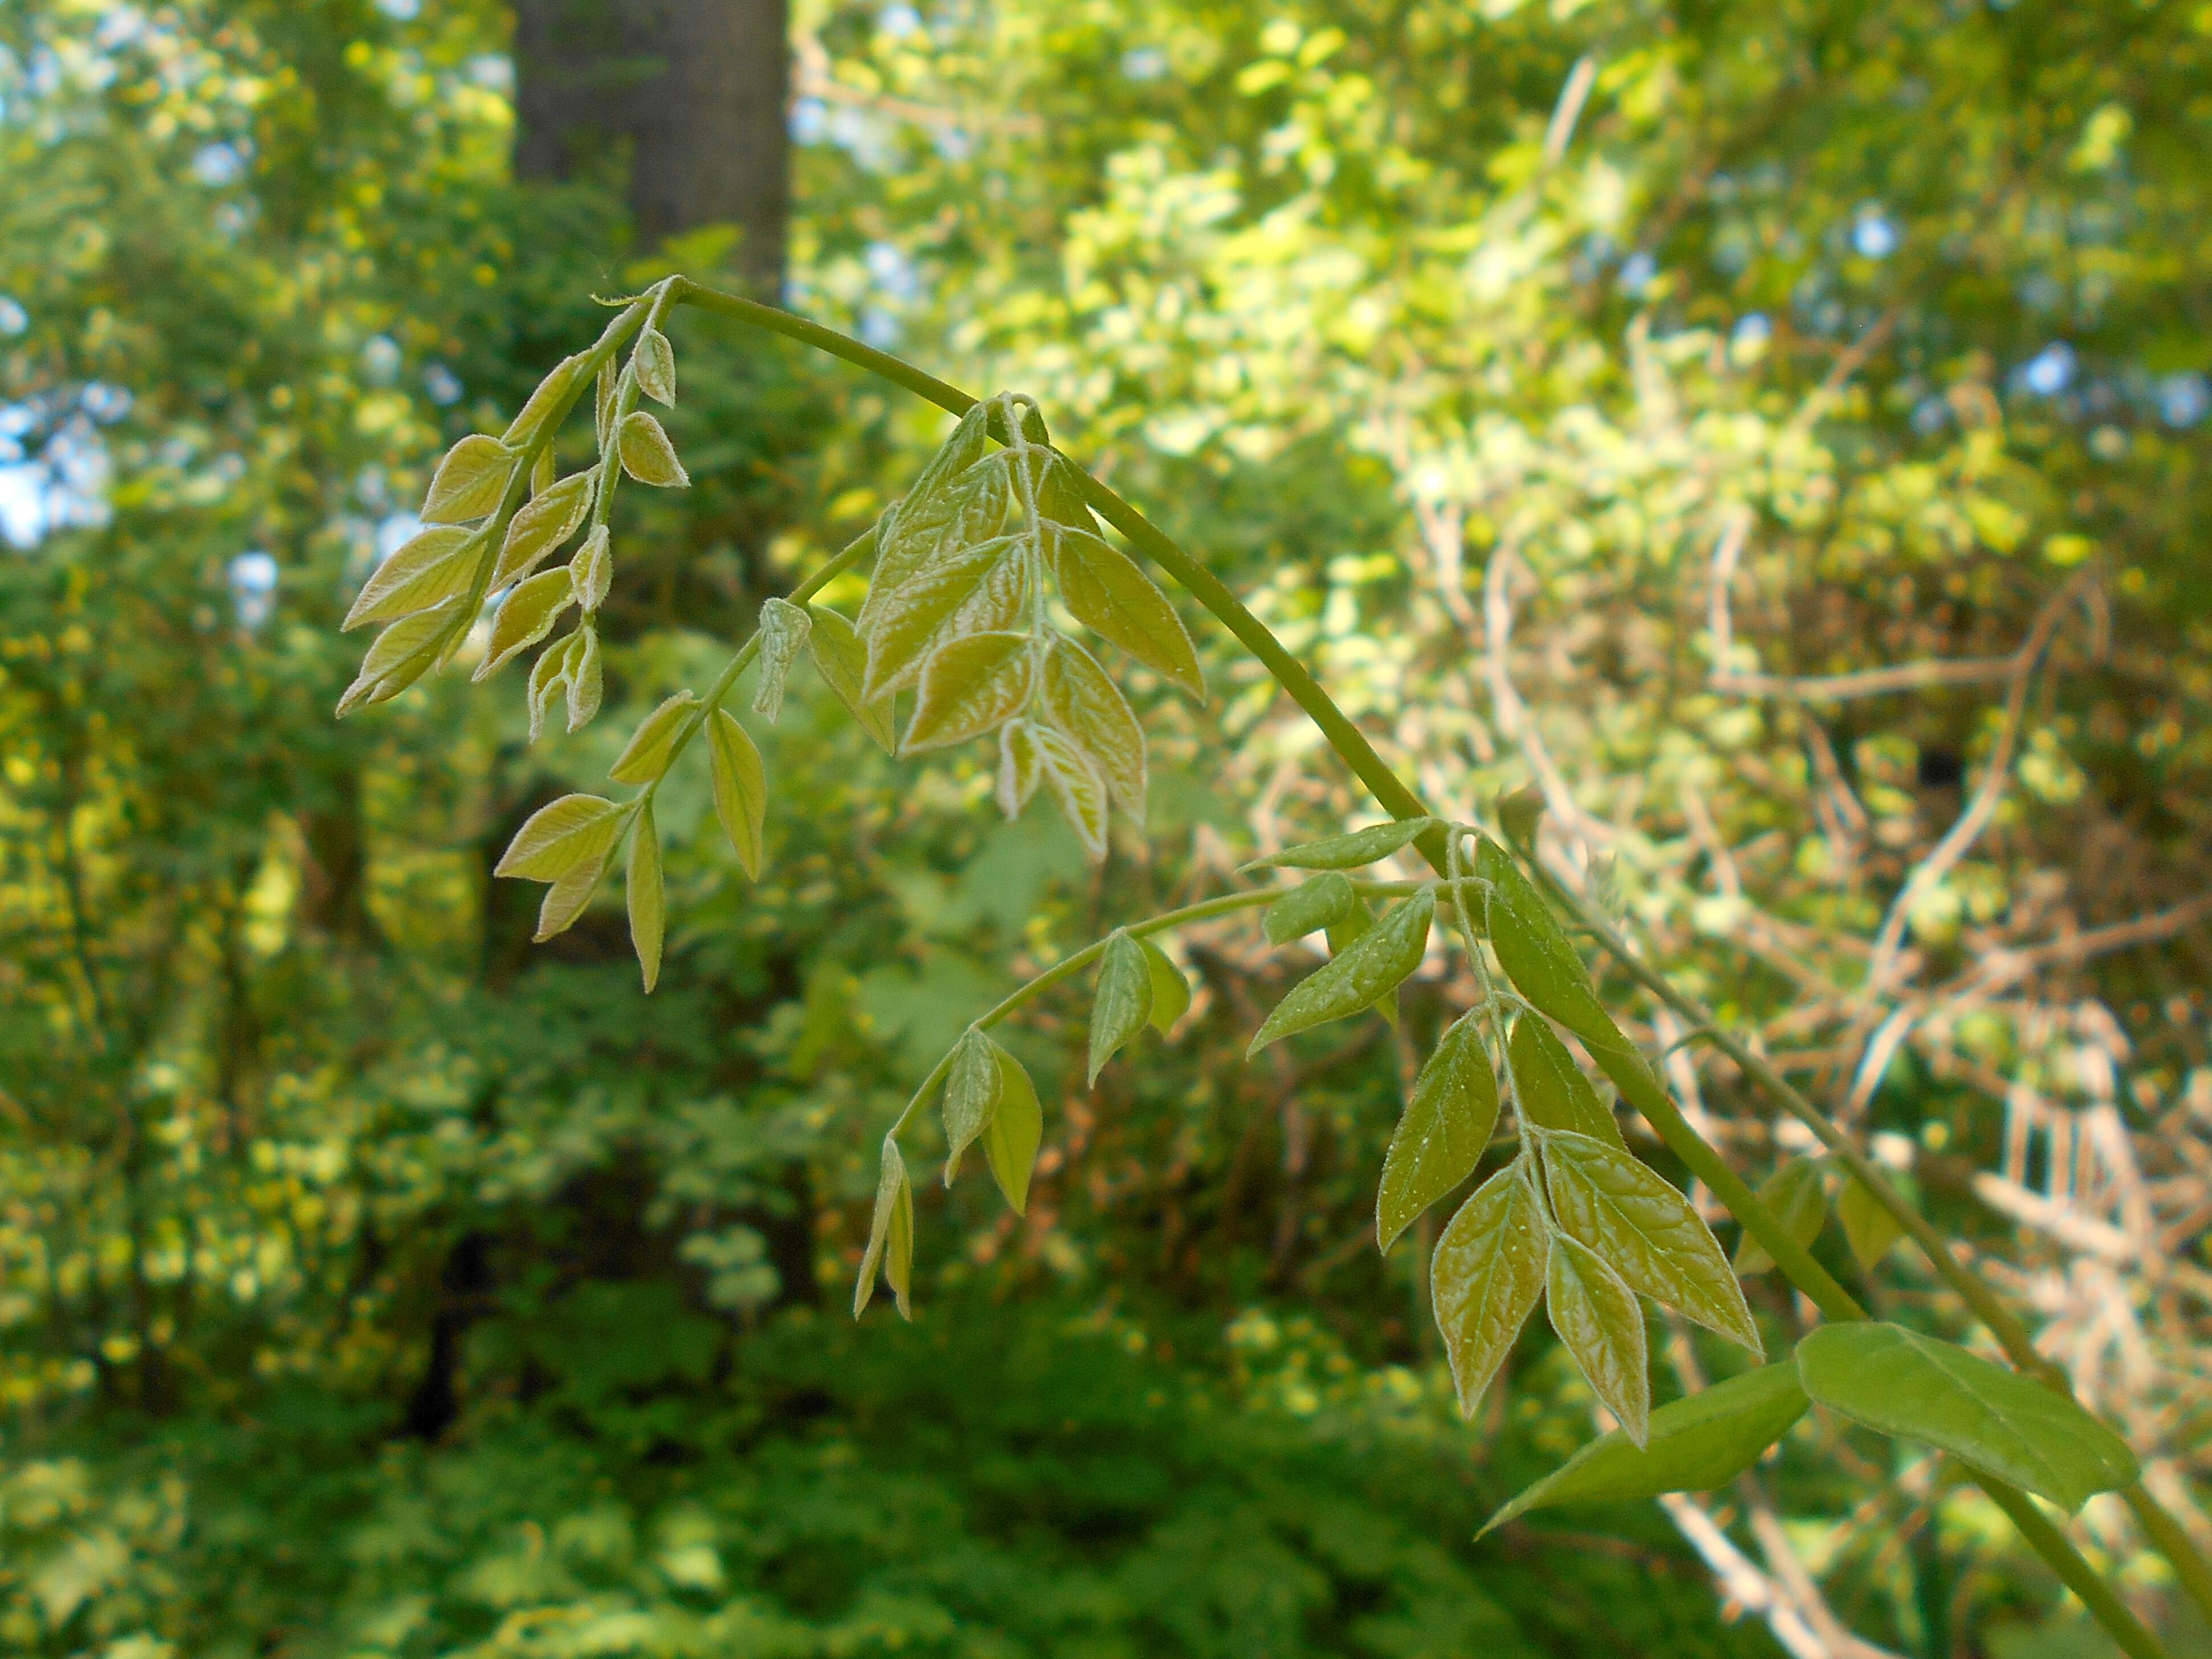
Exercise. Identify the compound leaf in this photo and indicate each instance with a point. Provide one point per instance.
(1440, 1137)
(1486, 1276)
(551, 392)
(973, 587)
(1371, 967)
(1645, 1231)
(1696, 1444)
(784, 629)
(1900, 1382)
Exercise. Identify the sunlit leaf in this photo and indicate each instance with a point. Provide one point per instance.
(1370, 969)
(470, 482)
(1550, 1088)
(542, 525)
(975, 588)
(548, 679)
(560, 837)
(1310, 906)
(1351, 851)
(433, 566)
(552, 392)
(645, 756)
(1600, 1323)
(586, 685)
(1123, 1002)
(740, 787)
(1105, 591)
(400, 656)
(972, 1088)
(890, 1235)
(1086, 707)
(648, 902)
(1898, 1382)
(1014, 1132)
(1441, 1134)
(647, 455)
(1486, 1276)
(1020, 767)
(1793, 1193)
(911, 528)
(1645, 1231)
(1696, 1444)
(842, 662)
(1171, 990)
(970, 686)
(526, 616)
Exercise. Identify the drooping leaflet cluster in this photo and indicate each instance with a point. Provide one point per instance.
(957, 640)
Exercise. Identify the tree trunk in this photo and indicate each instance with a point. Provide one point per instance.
(694, 91)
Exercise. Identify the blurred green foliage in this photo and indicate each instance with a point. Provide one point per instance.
(372, 1283)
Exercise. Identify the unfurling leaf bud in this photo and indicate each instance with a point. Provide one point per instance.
(784, 627)
(585, 686)
(646, 454)
(654, 364)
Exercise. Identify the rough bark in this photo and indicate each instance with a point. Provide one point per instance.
(692, 91)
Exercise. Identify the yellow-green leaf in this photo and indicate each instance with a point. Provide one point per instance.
(552, 393)
(975, 588)
(1020, 767)
(526, 616)
(1898, 1382)
(1014, 1132)
(648, 913)
(1600, 1323)
(1486, 1276)
(560, 837)
(1371, 968)
(1106, 592)
(549, 678)
(646, 454)
(646, 756)
(1171, 990)
(592, 570)
(914, 528)
(1440, 1136)
(1550, 1088)
(400, 655)
(542, 525)
(740, 787)
(1645, 1231)
(890, 1235)
(969, 686)
(842, 662)
(1088, 708)
(1793, 1193)
(565, 898)
(784, 627)
(1123, 1002)
(429, 568)
(1697, 1445)
(470, 481)
(586, 684)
